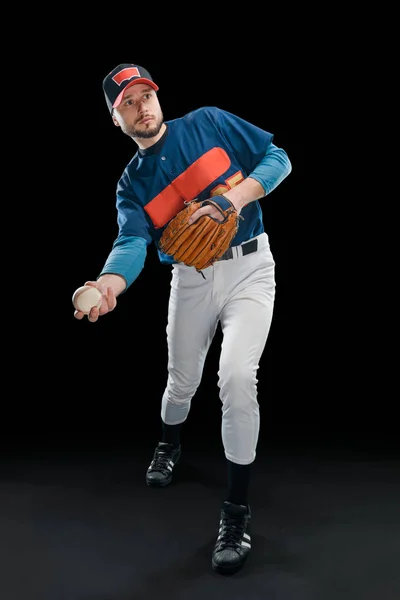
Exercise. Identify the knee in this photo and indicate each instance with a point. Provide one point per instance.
(179, 392)
(237, 378)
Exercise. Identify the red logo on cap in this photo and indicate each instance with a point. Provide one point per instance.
(126, 74)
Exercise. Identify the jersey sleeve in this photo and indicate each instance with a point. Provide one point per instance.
(129, 250)
(272, 169)
(126, 259)
(131, 217)
(249, 142)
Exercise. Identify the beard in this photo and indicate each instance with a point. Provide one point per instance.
(144, 134)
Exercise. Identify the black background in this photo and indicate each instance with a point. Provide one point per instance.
(81, 401)
(318, 377)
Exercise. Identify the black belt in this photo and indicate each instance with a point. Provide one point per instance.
(247, 248)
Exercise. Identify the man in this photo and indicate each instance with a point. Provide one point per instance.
(208, 153)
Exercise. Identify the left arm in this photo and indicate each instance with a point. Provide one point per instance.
(273, 168)
(268, 174)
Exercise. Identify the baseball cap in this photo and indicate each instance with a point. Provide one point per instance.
(122, 77)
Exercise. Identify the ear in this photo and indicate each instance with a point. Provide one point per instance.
(115, 121)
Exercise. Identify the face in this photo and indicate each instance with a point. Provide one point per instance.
(139, 115)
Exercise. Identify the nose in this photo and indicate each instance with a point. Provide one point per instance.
(141, 107)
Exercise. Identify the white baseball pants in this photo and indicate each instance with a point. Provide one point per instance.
(239, 294)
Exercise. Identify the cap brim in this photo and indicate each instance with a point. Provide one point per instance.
(139, 80)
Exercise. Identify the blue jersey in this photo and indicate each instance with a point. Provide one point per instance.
(202, 154)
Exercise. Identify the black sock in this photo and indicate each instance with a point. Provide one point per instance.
(238, 483)
(171, 434)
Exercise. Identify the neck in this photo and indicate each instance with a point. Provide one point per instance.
(143, 144)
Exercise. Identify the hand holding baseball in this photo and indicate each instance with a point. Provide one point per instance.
(93, 300)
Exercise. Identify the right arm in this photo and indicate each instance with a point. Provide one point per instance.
(127, 257)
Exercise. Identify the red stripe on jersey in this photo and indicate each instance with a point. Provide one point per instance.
(187, 186)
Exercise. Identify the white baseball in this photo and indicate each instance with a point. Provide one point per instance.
(86, 297)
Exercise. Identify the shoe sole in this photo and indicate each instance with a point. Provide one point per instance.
(158, 485)
(228, 570)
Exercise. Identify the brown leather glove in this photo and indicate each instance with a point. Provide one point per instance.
(203, 242)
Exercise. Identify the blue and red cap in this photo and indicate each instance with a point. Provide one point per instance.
(122, 77)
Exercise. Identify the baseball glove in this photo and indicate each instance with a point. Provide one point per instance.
(203, 242)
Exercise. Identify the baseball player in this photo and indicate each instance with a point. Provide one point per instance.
(204, 154)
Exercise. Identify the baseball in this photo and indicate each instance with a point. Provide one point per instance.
(86, 297)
